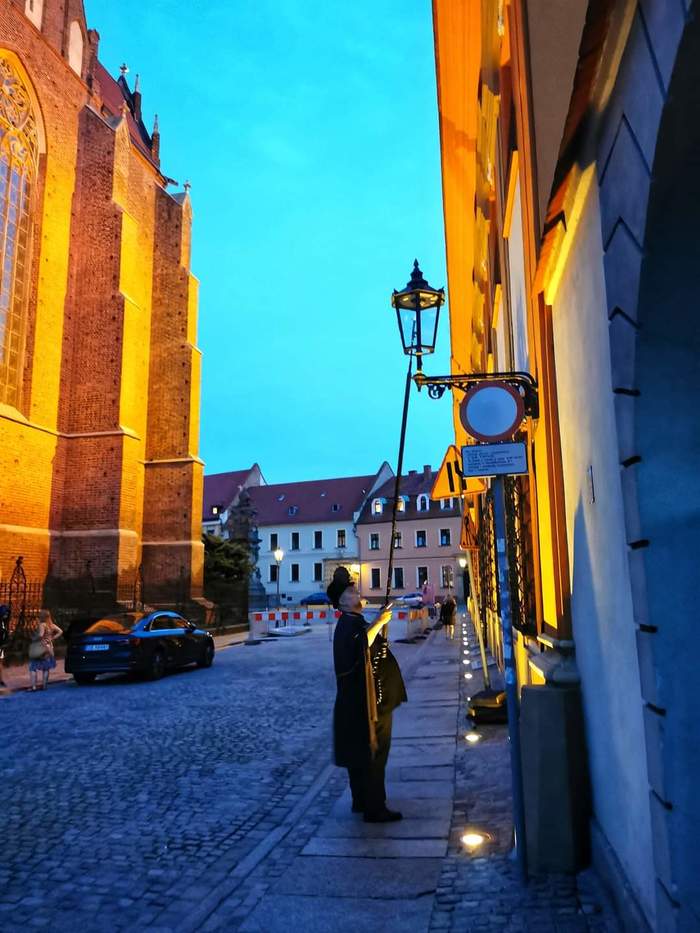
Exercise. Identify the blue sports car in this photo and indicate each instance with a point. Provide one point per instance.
(147, 643)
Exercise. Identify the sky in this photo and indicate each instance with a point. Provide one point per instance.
(308, 130)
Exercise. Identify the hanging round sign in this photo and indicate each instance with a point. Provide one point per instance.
(492, 411)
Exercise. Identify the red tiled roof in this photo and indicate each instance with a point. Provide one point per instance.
(221, 489)
(412, 485)
(311, 501)
(112, 99)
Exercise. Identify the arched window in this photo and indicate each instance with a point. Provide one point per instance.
(423, 503)
(18, 166)
(377, 506)
(75, 47)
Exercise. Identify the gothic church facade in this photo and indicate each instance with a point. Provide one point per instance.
(99, 369)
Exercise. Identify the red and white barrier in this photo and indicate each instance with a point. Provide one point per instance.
(405, 623)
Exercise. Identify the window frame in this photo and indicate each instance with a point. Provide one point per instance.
(317, 533)
(378, 572)
(292, 568)
(424, 532)
(338, 533)
(377, 535)
(448, 532)
(396, 584)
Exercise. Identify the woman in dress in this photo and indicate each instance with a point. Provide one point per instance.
(44, 634)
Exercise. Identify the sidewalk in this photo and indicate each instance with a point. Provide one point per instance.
(17, 677)
(329, 871)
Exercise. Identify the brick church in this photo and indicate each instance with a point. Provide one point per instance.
(99, 369)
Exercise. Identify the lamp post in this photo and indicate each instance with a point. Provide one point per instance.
(462, 561)
(279, 557)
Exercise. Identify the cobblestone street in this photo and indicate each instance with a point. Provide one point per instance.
(207, 801)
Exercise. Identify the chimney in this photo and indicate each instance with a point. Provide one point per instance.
(427, 471)
(412, 472)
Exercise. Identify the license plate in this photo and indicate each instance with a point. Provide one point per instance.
(97, 647)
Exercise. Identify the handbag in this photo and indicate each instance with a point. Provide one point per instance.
(37, 650)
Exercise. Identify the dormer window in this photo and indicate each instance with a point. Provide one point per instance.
(423, 503)
(335, 507)
(292, 510)
(446, 503)
(401, 504)
(215, 510)
(377, 507)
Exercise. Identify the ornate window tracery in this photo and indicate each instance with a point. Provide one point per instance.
(18, 169)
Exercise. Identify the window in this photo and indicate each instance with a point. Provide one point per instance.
(421, 576)
(374, 541)
(318, 572)
(274, 541)
(34, 9)
(340, 537)
(397, 539)
(421, 539)
(446, 503)
(295, 541)
(273, 574)
(398, 578)
(75, 47)
(423, 503)
(376, 578)
(292, 510)
(447, 576)
(318, 540)
(445, 537)
(401, 506)
(335, 507)
(19, 152)
(294, 573)
(215, 510)
(377, 507)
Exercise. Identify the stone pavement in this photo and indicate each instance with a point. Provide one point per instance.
(206, 801)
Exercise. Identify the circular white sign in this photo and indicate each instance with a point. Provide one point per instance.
(492, 411)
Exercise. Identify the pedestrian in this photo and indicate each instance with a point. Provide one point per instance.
(448, 611)
(41, 652)
(369, 688)
(4, 639)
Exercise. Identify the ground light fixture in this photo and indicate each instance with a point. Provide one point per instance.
(473, 840)
(473, 737)
(467, 676)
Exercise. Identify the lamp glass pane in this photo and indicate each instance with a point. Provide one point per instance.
(429, 322)
(407, 326)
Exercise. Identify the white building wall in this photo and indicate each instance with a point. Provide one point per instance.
(601, 603)
(305, 557)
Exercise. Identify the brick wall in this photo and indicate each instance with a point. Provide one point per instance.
(112, 376)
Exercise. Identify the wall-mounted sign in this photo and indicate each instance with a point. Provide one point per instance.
(492, 411)
(494, 459)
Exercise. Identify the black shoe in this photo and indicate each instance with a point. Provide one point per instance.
(383, 816)
(357, 807)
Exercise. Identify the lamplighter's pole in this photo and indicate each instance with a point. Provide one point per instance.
(510, 673)
(397, 484)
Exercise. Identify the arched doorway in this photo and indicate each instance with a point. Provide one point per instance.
(667, 431)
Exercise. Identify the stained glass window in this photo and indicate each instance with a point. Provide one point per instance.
(18, 156)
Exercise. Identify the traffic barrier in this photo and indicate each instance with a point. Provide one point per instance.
(405, 623)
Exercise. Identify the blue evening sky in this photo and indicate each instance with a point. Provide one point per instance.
(308, 129)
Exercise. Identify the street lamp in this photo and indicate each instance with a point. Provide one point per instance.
(279, 557)
(417, 312)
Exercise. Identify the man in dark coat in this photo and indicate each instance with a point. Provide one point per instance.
(369, 688)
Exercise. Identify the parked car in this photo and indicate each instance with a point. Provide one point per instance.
(315, 599)
(137, 642)
(410, 599)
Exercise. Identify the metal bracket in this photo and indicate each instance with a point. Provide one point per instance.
(523, 383)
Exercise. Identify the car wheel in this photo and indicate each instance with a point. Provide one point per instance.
(157, 668)
(207, 657)
(84, 679)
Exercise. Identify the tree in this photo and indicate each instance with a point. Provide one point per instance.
(225, 561)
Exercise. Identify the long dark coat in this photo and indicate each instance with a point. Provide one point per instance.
(350, 719)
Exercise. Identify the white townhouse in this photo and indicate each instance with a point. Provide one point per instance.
(313, 524)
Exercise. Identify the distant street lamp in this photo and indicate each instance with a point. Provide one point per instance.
(279, 557)
(462, 561)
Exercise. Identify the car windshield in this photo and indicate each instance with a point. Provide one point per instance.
(117, 624)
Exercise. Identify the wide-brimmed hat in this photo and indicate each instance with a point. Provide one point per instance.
(340, 582)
